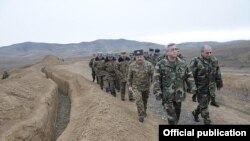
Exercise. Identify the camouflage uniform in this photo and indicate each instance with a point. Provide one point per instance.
(110, 67)
(91, 65)
(123, 73)
(99, 69)
(207, 77)
(169, 86)
(139, 79)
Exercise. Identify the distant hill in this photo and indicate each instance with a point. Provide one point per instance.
(231, 54)
(234, 54)
(74, 50)
(21, 54)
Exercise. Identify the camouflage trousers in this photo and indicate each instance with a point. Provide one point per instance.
(141, 99)
(123, 91)
(93, 74)
(173, 110)
(117, 84)
(100, 79)
(110, 86)
(202, 108)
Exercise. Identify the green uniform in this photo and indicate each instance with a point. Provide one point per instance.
(207, 77)
(110, 68)
(123, 66)
(139, 76)
(170, 79)
(91, 65)
(99, 69)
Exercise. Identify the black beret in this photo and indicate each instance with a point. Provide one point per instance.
(138, 52)
(151, 49)
(157, 50)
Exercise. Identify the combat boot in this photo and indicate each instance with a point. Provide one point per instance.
(214, 103)
(107, 90)
(207, 121)
(194, 97)
(196, 116)
(141, 119)
(131, 99)
(113, 93)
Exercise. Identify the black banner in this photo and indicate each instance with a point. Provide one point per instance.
(198, 132)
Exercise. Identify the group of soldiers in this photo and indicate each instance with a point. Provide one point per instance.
(169, 74)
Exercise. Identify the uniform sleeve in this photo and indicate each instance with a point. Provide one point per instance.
(151, 72)
(118, 70)
(157, 81)
(193, 67)
(218, 78)
(130, 76)
(189, 79)
(91, 63)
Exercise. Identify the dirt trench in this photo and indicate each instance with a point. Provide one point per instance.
(96, 115)
(63, 104)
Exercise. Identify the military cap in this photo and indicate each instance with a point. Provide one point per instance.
(151, 49)
(157, 50)
(99, 53)
(123, 52)
(110, 54)
(138, 52)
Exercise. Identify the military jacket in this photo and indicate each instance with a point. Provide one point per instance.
(207, 74)
(123, 66)
(99, 67)
(170, 79)
(110, 68)
(139, 75)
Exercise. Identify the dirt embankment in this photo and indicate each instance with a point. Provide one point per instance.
(29, 100)
(27, 104)
(96, 115)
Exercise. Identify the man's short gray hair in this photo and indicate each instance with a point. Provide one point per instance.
(204, 46)
(169, 45)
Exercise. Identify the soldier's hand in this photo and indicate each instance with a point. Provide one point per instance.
(130, 89)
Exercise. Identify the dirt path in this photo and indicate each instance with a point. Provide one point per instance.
(221, 115)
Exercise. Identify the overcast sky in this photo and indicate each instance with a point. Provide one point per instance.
(159, 21)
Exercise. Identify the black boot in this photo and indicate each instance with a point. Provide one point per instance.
(213, 102)
(141, 119)
(196, 116)
(107, 90)
(194, 97)
(113, 93)
(207, 121)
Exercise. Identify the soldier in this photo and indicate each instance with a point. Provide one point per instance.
(146, 55)
(91, 65)
(151, 52)
(170, 76)
(5, 75)
(207, 77)
(123, 65)
(139, 75)
(155, 56)
(110, 68)
(99, 68)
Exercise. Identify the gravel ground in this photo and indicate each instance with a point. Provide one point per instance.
(185, 117)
